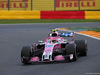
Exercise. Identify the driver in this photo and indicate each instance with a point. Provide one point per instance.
(54, 41)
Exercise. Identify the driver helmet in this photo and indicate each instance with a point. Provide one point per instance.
(54, 34)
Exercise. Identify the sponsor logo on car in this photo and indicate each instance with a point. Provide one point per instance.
(48, 45)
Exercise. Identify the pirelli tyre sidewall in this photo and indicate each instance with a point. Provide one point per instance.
(71, 49)
(81, 46)
(26, 54)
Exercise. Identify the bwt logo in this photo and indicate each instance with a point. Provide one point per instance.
(13, 3)
(74, 3)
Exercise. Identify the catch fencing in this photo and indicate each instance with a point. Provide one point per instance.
(50, 5)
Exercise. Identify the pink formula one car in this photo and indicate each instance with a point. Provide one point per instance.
(55, 48)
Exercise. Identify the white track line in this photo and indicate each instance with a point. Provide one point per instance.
(80, 34)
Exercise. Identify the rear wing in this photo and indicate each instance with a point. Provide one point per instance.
(69, 34)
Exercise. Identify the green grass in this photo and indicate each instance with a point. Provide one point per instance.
(15, 21)
(96, 30)
(79, 28)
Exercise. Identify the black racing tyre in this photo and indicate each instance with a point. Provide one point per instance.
(71, 49)
(81, 46)
(26, 54)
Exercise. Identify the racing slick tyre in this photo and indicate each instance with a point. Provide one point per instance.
(26, 54)
(71, 49)
(81, 47)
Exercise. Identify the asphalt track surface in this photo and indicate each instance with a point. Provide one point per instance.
(13, 37)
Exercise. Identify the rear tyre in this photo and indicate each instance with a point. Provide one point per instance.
(71, 49)
(81, 46)
(26, 54)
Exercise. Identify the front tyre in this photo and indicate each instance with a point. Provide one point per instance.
(71, 49)
(26, 54)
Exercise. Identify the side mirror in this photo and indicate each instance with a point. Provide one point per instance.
(40, 41)
(69, 34)
(65, 40)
